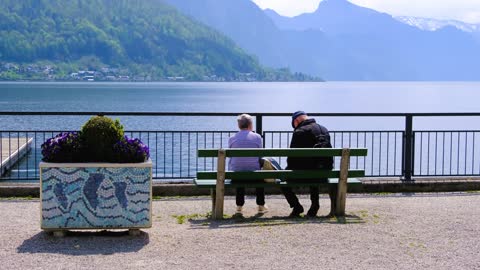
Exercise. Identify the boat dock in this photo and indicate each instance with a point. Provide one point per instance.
(12, 150)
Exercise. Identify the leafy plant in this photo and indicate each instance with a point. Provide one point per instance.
(99, 135)
(100, 140)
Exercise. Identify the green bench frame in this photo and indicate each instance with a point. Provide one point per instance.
(216, 180)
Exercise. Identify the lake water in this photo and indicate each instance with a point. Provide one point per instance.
(329, 97)
(174, 154)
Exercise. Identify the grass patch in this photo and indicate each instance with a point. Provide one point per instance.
(417, 245)
(382, 193)
(363, 213)
(176, 197)
(182, 218)
(367, 217)
(25, 198)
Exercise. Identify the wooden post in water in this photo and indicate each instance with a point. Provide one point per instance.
(342, 182)
(220, 187)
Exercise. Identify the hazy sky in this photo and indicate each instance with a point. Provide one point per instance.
(464, 10)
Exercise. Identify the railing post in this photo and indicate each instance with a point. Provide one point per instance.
(408, 148)
(259, 124)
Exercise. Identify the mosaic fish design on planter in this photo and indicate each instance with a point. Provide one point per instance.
(59, 192)
(120, 188)
(96, 197)
(91, 187)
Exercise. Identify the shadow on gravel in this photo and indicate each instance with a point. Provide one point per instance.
(259, 220)
(85, 243)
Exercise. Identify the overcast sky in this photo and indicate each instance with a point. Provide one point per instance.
(463, 10)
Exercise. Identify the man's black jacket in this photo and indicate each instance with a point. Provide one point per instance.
(305, 136)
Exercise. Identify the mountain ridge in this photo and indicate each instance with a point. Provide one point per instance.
(380, 47)
(145, 38)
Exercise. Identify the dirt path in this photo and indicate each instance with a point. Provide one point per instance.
(437, 231)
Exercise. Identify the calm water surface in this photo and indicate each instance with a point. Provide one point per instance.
(331, 97)
(174, 155)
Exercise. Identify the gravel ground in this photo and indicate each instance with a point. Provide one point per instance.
(423, 231)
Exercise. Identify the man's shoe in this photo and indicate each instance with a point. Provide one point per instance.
(262, 209)
(239, 210)
(297, 210)
(312, 212)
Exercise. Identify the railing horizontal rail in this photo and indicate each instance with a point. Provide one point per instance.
(236, 114)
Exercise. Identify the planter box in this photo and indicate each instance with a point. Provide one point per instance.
(96, 195)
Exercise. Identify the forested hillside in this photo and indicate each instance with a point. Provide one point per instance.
(143, 38)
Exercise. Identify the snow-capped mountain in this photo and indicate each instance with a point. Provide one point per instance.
(434, 24)
(343, 41)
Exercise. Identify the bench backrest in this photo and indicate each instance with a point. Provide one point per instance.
(281, 174)
(282, 152)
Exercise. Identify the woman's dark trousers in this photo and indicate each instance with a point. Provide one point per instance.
(240, 198)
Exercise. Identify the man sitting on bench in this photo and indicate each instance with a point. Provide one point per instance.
(307, 134)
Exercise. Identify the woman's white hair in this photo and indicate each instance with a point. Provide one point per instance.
(244, 120)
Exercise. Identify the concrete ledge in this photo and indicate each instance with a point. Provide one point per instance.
(368, 186)
(19, 190)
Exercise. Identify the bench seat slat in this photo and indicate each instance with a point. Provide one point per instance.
(211, 183)
(281, 174)
(286, 152)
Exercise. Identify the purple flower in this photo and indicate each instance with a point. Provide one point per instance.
(64, 147)
(131, 150)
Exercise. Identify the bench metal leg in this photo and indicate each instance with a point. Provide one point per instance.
(342, 182)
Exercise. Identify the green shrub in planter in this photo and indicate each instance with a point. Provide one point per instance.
(99, 134)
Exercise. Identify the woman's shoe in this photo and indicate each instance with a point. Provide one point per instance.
(262, 209)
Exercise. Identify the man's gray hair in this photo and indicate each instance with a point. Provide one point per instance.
(244, 120)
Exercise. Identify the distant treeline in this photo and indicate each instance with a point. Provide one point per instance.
(148, 38)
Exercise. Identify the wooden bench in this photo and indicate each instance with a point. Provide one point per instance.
(216, 180)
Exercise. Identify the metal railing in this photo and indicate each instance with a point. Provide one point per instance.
(454, 153)
(392, 153)
(384, 149)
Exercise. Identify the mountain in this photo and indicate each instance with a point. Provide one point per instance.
(250, 28)
(242, 21)
(429, 24)
(339, 17)
(376, 46)
(148, 38)
(342, 41)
